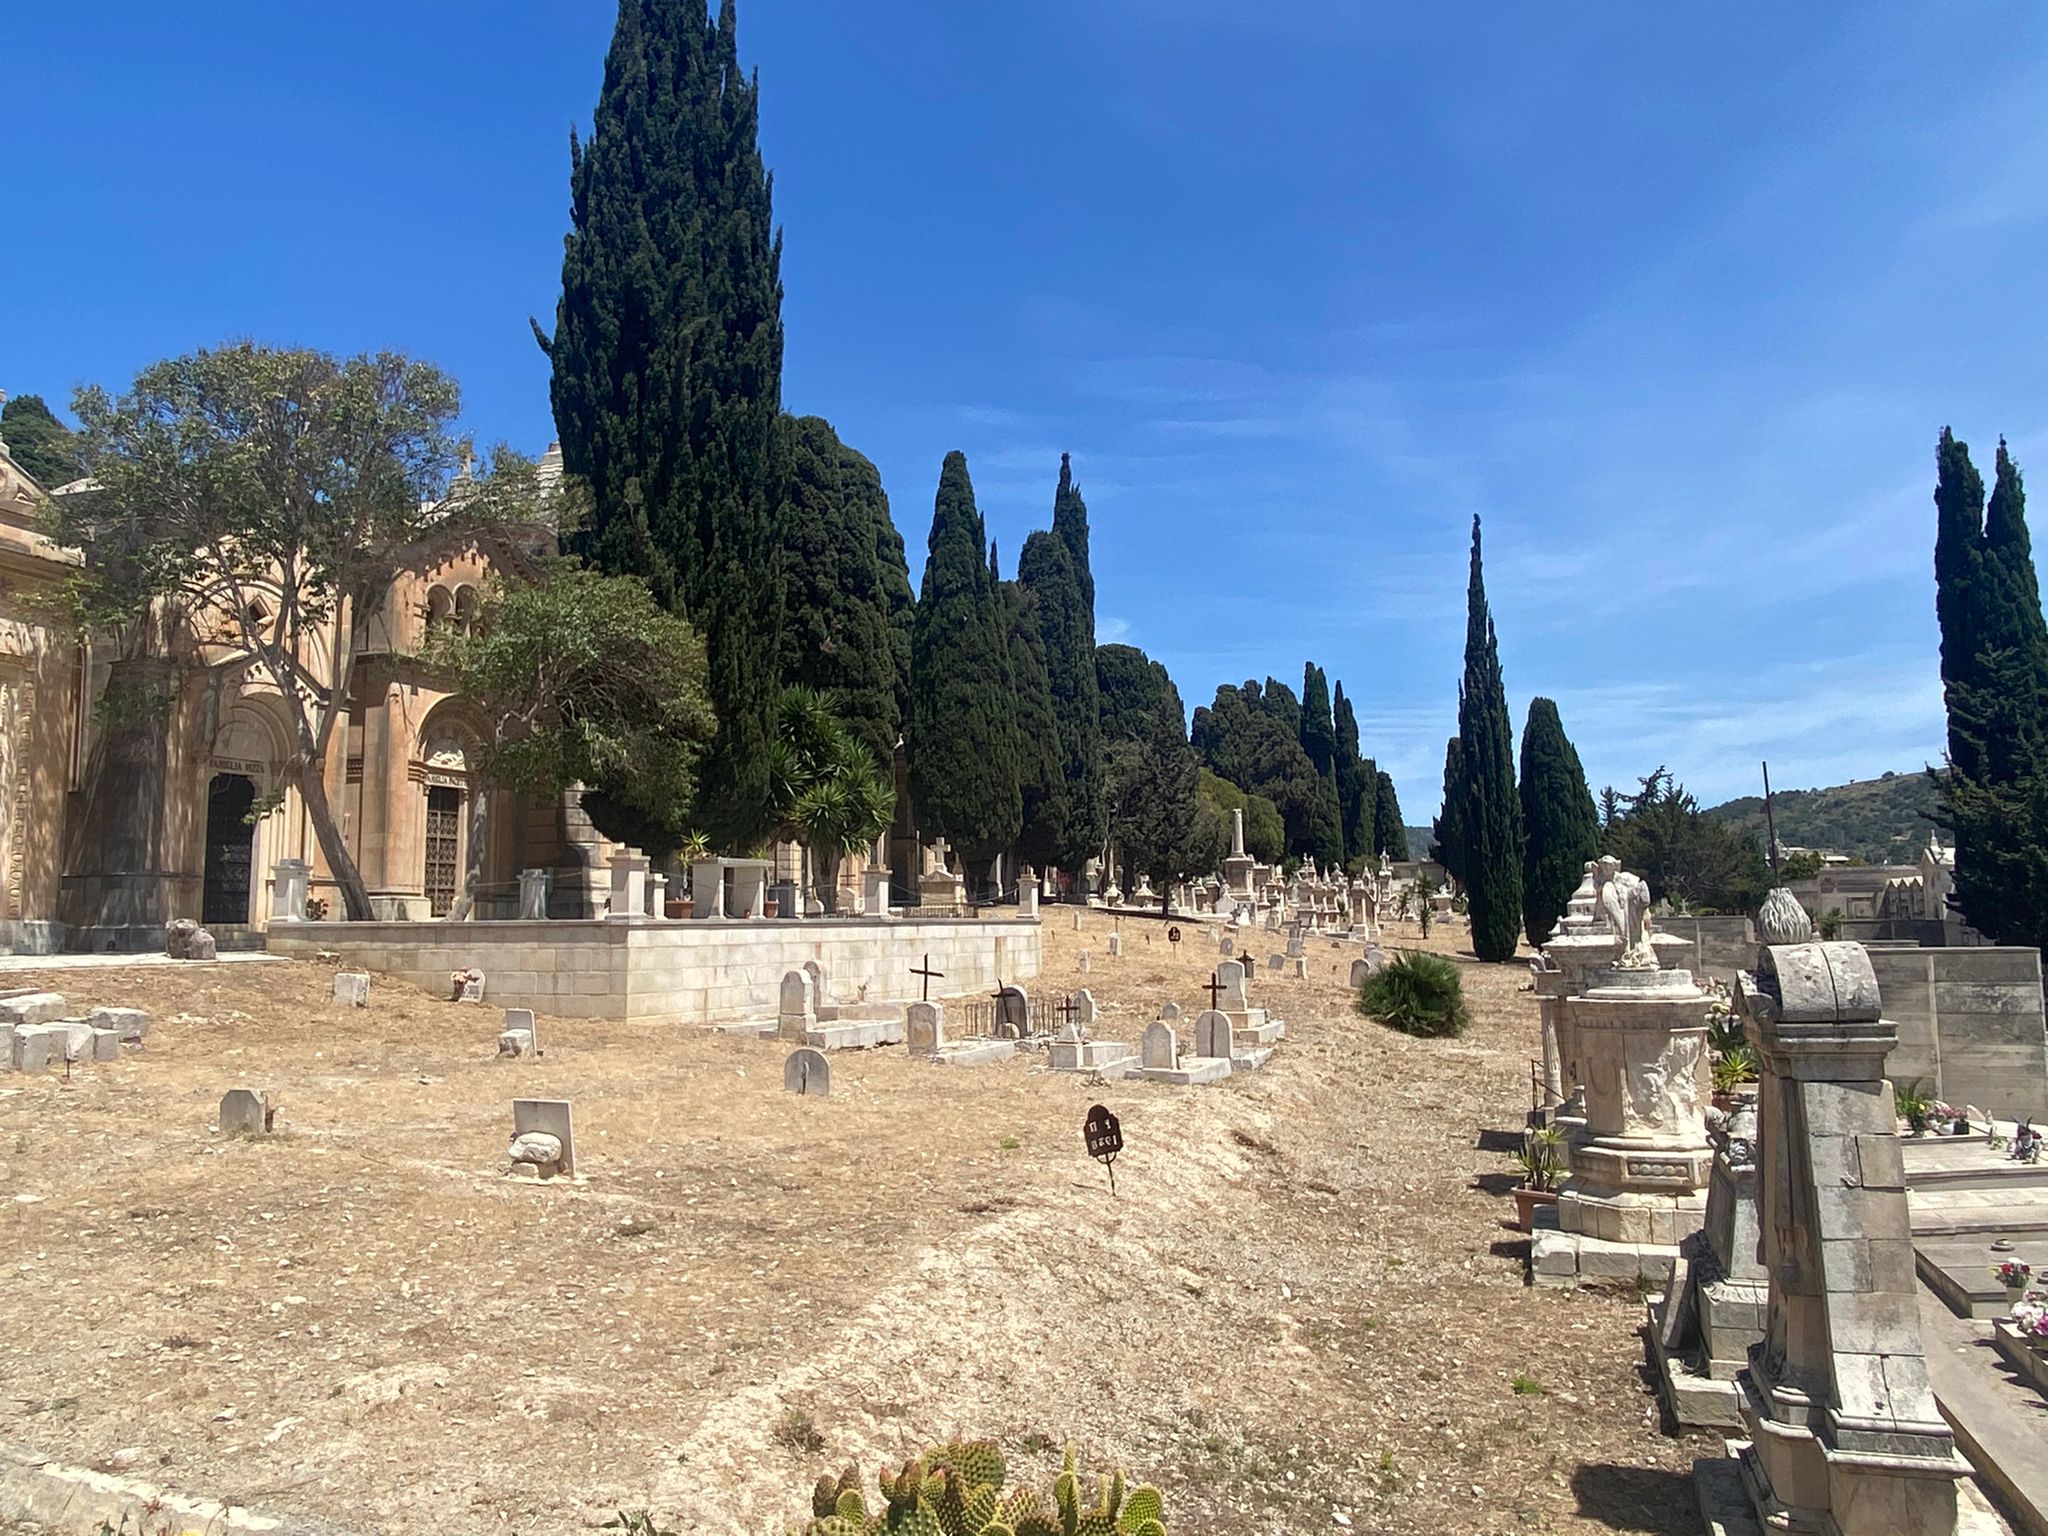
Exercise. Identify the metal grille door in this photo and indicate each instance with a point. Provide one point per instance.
(444, 846)
(229, 841)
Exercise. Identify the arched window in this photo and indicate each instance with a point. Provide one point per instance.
(465, 609)
(440, 607)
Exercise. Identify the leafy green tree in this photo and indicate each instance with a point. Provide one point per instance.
(1562, 829)
(1161, 822)
(275, 495)
(842, 591)
(1448, 831)
(1265, 835)
(1252, 737)
(1389, 836)
(1688, 858)
(1491, 815)
(667, 358)
(1131, 687)
(962, 730)
(1041, 776)
(585, 680)
(43, 446)
(828, 793)
(1054, 568)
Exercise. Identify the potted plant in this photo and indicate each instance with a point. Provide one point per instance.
(1542, 1163)
(2013, 1275)
(1915, 1108)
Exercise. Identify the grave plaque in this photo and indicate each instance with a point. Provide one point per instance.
(1104, 1136)
(807, 1073)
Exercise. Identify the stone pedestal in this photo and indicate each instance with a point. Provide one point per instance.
(1845, 1435)
(941, 893)
(629, 884)
(707, 888)
(874, 899)
(288, 887)
(533, 895)
(749, 886)
(1027, 899)
(657, 895)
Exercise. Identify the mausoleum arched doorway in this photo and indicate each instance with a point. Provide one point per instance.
(230, 849)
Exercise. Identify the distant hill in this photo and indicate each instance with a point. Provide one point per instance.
(1880, 821)
(1419, 841)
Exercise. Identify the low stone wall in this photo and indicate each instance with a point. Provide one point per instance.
(690, 971)
(1721, 945)
(1970, 1025)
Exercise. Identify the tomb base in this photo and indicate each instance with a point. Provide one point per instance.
(762, 1029)
(1192, 1072)
(1562, 1259)
(2028, 1363)
(973, 1053)
(1591, 1209)
(859, 1035)
(1725, 1509)
(1105, 1056)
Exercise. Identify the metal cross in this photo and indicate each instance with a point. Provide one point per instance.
(927, 973)
(1214, 989)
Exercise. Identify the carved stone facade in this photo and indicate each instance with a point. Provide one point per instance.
(149, 781)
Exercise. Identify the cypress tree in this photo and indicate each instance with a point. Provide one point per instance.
(1995, 670)
(1558, 819)
(962, 726)
(1492, 814)
(1449, 828)
(1355, 784)
(840, 600)
(1319, 741)
(1054, 566)
(667, 357)
(1389, 836)
(1040, 774)
(45, 449)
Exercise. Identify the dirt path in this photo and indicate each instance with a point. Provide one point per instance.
(1302, 1303)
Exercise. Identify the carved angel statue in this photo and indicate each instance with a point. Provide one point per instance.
(1625, 904)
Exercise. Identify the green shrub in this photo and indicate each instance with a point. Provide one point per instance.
(957, 1490)
(1418, 994)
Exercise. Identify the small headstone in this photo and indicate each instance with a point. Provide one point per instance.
(1116, 946)
(36, 1047)
(1170, 1014)
(547, 1117)
(1227, 947)
(817, 975)
(1232, 975)
(1212, 1034)
(106, 1045)
(796, 1009)
(1274, 962)
(1013, 1009)
(129, 1024)
(1360, 971)
(245, 1112)
(1077, 919)
(200, 946)
(1084, 1008)
(352, 988)
(1158, 1047)
(468, 984)
(1297, 967)
(924, 1029)
(1084, 962)
(807, 1072)
(32, 1008)
(515, 1042)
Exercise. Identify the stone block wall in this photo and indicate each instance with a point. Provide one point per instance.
(691, 971)
(1721, 945)
(1970, 1025)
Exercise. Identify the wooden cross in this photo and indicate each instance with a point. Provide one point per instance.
(1215, 988)
(927, 973)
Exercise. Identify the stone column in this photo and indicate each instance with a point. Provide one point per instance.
(288, 878)
(629, 884)
(1845, 1435)
(533, 895)
(1236, 833)
(657, 896)
(1027, 900)
(875, 892)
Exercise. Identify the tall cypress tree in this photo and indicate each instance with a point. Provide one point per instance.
(1561, 827)
(1054, 566)
(1449, 827)
(1319, 741)
(1041, 778)
(1355, 784)
(1994, 658)
(840, 599)
(962, 728)
(1492, 814)
(1389, 836)
(667, 358)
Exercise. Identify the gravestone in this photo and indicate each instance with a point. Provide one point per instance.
(1077, 919)
(1158, 1047)
(1013, 1011)
(519, 1036)
(1297, 967)
(130, 1024)
(1212, 1034)
(201, 946)
(352, 988)
(1274, 962)
(1361, 972)
(1084, 962)
(1227, 947)
(35, 1047)
(468, 984)
(1084, 1008)
(1170, 1014)
(1116, 946)
(245, 1112)
(817, 974)
(547, 1117)
(288, 890)
(1232, 977)
(106, 1045)
(797, 1012)
(924, 1028)
(808, 1073)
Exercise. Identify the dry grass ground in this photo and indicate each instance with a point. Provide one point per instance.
(1304, 1303)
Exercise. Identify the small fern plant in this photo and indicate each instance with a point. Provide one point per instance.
(957, 1490)
(1417, 993)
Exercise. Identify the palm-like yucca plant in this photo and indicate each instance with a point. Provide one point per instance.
(1417, 993)
(827, 792)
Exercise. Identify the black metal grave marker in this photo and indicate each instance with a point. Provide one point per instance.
(1104, 1134)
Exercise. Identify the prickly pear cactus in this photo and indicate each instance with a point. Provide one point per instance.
(957, 1490)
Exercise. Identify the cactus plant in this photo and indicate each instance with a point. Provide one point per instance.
(957, 1489)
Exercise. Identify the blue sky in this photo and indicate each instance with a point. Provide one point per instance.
(1675, 298)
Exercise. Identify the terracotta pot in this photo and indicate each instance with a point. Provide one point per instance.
(684, 906)
(770, 907)
(1526, 1201)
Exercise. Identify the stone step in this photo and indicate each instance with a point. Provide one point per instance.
(974, 1053)
(1266, 1032)
(1242, 1060)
